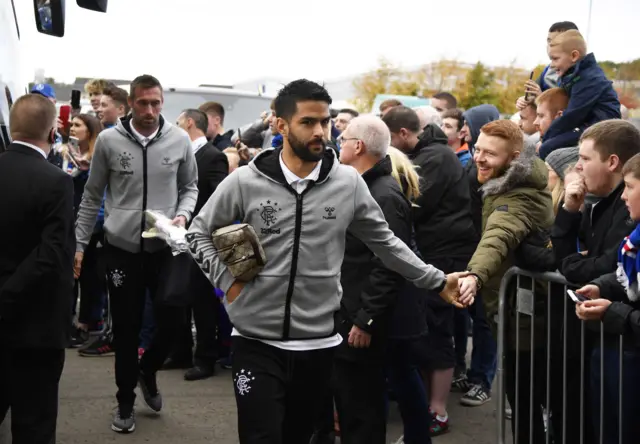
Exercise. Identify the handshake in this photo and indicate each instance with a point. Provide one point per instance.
(460, 289)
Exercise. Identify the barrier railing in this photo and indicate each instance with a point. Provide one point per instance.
(526, 303)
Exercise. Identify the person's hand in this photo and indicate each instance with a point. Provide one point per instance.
(358, 338)
(532, 89)
(584, 253)
(468, 287)
(589, 291)
(574, 194)
(521, 103)
(538, 145)
(243, 152)
(77, 264)
(592, 310)
(451, 290)
(234, 291)
(60, 125)
(179, 221)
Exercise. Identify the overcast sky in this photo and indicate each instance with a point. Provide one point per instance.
(188, 42)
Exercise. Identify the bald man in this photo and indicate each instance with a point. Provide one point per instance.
(36, 272)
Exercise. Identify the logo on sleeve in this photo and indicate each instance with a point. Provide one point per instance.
(268, 214)
(329, 213)
(504, 208)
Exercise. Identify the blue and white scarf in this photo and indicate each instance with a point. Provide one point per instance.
(628, 272)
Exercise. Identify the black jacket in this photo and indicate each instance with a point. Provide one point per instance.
(442, 220)
(223, 141)
(36, 258)
(369, 288)
(213, 167)
(601, 232)
(623, 316)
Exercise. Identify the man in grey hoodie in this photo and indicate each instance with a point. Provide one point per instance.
(143, 163)
(301, 202)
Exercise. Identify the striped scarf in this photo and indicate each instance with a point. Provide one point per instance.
(629, 264)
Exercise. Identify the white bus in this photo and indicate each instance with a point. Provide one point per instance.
(48, 18)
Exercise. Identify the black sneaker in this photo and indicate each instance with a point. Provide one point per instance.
(124, 420)
(460, 383)
(476, 397)
(79, 337)
(149, 388)
(103, 346)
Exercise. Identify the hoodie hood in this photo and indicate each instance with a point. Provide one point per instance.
(477, 117)
(123, 126)
(526, 171)
(267, 163)
(431, 135)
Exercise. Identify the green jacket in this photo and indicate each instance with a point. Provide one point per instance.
(515, 205)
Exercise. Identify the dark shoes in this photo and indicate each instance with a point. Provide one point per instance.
(177, 364)
(149, 388)
(199, 372)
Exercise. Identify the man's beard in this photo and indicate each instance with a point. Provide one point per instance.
(302, 150)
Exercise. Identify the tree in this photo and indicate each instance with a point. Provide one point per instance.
(386, 79)
(477, 88)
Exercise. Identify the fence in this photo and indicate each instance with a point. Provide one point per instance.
(527, 302)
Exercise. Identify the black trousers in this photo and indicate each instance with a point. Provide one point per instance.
(130, 276)
(205, 311)
(359, 391)
(29, 386)
(92, 281)
(278, 392)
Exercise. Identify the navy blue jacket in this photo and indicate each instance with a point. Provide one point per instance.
(592, 99)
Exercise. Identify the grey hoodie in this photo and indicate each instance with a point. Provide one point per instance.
(161, 177)
(303, 235)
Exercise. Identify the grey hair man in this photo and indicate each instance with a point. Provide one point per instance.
(371, 139)
(367, 304)
(427, 115)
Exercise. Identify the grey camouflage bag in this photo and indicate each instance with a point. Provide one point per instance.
(240, 250)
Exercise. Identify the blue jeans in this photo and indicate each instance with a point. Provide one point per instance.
(485, 347)
(148, 324)
(403, 358)
(630, 399)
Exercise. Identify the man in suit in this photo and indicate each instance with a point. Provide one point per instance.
(213, 167)
(36, 272)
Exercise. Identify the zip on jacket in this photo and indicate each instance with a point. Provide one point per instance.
(137, 179)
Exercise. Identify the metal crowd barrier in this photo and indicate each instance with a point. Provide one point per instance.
(525, 301)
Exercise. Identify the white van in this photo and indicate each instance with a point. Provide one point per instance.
(48, 18)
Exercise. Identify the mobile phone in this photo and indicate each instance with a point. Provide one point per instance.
(75, 142)
(75, 99)
(576, 297)
(526, 94)
(65, 113)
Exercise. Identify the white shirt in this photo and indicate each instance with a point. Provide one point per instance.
(144, 140)
(33, 147)
(198, 143)
(300, 184)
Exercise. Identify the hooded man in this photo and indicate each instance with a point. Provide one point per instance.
(516, 204)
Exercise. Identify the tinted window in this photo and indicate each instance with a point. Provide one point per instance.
(15, 18)
(5, 102)
(239, 110)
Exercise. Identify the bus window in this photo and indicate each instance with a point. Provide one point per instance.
(5, 103)
(15, 18)
(9, 98)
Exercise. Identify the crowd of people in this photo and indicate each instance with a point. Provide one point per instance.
(336, 260)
